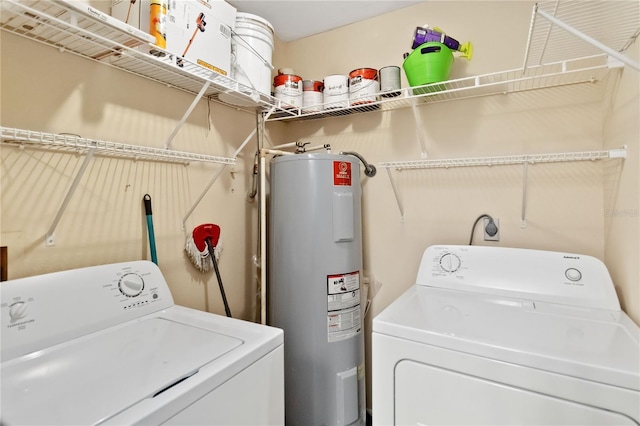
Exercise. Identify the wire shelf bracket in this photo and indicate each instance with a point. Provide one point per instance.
(89, 147)
(525, 160)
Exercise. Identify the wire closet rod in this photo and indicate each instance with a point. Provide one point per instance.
(507, 160)
(77, 143)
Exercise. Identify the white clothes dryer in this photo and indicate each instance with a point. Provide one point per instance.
(106, 345)
(502, 336)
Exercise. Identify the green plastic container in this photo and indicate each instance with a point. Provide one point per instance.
(428, 63)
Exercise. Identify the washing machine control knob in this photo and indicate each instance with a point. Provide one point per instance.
(450, 262)
(18, 310)
(131, 284)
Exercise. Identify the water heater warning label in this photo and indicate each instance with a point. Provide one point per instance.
(341, 173)
(343, 306)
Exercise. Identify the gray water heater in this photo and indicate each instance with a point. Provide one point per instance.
(315, 276)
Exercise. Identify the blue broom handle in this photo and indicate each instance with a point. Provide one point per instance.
(152, 237)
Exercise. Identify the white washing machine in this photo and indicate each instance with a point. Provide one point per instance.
(501, 336)
(107, 345)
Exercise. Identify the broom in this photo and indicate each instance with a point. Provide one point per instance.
(203, 251)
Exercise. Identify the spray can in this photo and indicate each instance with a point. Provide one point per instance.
(157, 25)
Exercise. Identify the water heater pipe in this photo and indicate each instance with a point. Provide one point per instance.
(369, 169)
(263, 229)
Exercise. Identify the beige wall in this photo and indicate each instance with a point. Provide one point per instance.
(105, 220)
(566, 208)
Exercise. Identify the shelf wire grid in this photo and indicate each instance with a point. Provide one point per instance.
(616, 24)
(583, 70)
(506, 160)
(77, 144)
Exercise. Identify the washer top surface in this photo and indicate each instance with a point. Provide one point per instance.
(90, 379)
(453, 311)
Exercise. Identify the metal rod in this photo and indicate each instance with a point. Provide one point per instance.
(49, 239)
(592, 41)
(523, 214)
(263, 242)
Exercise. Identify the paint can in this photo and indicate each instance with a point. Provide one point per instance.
(312, 97)
(158, 25)
(390, 81)
(363, 86)
(288, 89)
(336, 91)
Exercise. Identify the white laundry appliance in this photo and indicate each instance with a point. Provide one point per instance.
(107, 345)
(501, 336)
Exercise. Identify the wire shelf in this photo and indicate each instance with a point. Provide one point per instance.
(57, 25)
(506, 160)
(77, 144)
(615, 24)
(584, 70)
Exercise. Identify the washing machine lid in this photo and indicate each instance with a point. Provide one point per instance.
(92, 378)
(592, 344)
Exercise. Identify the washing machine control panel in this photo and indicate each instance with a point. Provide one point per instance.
(558, 277)
(91, 298)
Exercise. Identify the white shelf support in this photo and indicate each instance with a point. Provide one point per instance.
(50, 237)
(186, 115)
(397, 195)
(419, 128)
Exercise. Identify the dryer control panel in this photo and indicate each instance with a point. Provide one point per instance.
(38, 312)
(536, 275)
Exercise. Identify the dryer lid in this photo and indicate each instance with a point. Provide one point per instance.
(598, 345)
(92, 378)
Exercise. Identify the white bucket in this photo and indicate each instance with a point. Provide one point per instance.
(363, 86)
(336, 91)
(251, 54)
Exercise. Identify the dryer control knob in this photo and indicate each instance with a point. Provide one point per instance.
(18, 310)
(131, 285)
(573, 274)
(449, 262)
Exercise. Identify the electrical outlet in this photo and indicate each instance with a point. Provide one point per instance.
(493, 232)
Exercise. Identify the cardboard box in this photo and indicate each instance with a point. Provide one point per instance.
(200, 31)
(136, 14)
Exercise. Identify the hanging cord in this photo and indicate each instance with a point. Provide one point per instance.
(491, 226)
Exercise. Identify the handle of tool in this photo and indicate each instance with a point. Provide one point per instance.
(152, 237)
(215, 266)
